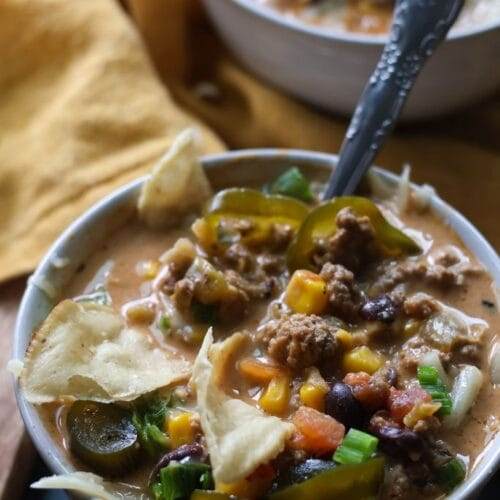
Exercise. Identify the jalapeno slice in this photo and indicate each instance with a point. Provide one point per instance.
(252, 202)
(246, 216)
(103, 436)
(320, 223)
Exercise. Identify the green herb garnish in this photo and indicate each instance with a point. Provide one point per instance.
(149, 418)
(178, 481)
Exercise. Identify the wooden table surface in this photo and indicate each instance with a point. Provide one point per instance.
(17, 453)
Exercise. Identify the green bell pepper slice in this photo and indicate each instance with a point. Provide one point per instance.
(320, 223)
(345, 482)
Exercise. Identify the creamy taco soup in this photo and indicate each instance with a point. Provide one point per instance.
(370, 16)
(256, 343)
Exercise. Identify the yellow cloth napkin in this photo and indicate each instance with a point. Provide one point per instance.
(82, 111)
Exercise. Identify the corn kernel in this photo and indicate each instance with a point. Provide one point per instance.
(313, 396)
(238, 489)
(180, 429)
(253, 486)
(204, 233)
(306, 293)
(140, 313)
(345, 338)
(244, 488)
(362, 359)
(276, 397)
(149, 269)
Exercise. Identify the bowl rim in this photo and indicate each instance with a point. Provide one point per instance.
(275, 17)
(39, 434)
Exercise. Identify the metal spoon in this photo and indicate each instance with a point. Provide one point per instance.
(418, 27)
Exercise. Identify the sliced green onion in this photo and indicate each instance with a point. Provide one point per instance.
(346, 456)
(291, 183)
(164, 323)
(428, 375)
(451, 474)
(431, 382)
(357, 447)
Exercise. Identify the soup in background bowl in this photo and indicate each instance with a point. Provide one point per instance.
(263, 344)
(371, 17)
(329, 68)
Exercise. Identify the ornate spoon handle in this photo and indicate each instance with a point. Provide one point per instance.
(418, 28)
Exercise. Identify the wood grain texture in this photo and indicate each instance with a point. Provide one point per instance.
(17, 452)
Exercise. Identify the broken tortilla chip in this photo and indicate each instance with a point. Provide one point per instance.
(85, 351)
(177, 186)
(239, 436)
(85, 483)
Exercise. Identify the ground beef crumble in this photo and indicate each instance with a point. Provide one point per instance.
(299, 340)
(238, 257)
(396, 483)
(353, 245)
(420, 306)
(445, 270)
(343, 295)
(255, 288)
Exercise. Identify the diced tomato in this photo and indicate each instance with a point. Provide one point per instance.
(317, 433)
(401, 402)
(358, 379)
(371, 391)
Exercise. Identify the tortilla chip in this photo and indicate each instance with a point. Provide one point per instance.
(177, 186)
(85, 483)
(84, 351)
(239, 437)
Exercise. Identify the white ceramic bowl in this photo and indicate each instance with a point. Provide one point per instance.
(330, 69)
(237, 168)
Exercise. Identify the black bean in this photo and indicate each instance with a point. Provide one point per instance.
(186, 451)
(341, 404)
(391, 375)
(381, 308)
(397, 441)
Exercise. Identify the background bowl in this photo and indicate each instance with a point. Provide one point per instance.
(330, 69)
(237, 168)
